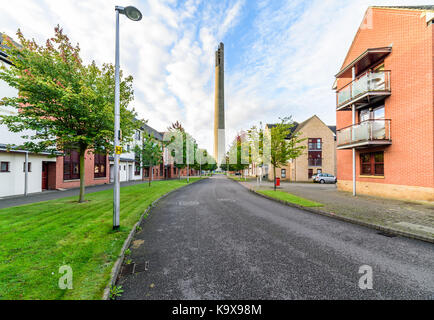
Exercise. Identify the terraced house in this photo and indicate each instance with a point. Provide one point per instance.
(385, 105)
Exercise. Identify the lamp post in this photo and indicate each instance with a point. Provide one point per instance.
(135, 15)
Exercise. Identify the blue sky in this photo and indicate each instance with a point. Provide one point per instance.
(280, 56)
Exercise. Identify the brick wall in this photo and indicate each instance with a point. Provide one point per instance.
(410, 158)
(89, 173)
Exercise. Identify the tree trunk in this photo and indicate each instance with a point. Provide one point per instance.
(82, 170)
(274, 174)
(149, 176)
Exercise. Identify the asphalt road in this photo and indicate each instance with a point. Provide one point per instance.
(216, 240)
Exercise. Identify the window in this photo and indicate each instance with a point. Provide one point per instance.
(372, 163)
(137, 165)
(128, 148)
(4, 167)
(29, 167)
(376, 113)
(315, 152)
(315, 144)
(283, 173)
(71, 165)
(137, 134)
(99, 163)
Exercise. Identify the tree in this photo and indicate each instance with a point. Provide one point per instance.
(182, 147)
(238, 153)
(284, 144)
(151, 153)
(257, 152)
(68, 105)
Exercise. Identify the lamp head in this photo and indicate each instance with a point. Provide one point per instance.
(133, 13)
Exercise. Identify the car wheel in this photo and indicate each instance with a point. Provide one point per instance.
(322, 181)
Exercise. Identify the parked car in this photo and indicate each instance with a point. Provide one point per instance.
(325, 178)
(237, 173)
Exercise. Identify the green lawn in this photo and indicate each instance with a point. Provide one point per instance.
(36, 239)
(288, 197)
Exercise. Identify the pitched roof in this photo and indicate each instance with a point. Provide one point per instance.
(426, 7)
(332, 128)
(300, 125)
(150, 130)
(293, 128)
(3, 46)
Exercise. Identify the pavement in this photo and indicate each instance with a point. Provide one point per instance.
(413, 217)
(216, 240)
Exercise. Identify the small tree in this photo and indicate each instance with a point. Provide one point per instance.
(238, 156)
(284, 144)
(151, 154)
(183, 147)
(67, 104)
(178, 146)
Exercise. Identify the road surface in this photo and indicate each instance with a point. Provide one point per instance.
(216, 240)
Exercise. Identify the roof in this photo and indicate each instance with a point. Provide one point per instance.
(368, 57)
(20, 149)
(332, 128)
(3, 55)
(157, 135)
(300, 125)
(293, 128)
(427, 7)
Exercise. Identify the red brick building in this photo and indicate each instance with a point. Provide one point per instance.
(65, 172)
(385, 105)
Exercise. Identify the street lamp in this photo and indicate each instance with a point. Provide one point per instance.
(135, 15)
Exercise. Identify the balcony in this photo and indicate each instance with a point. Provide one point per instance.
(366, 89)
(315, 162)
(366, 134)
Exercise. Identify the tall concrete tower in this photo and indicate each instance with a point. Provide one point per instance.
(219, 106)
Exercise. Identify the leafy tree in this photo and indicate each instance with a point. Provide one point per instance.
(68, 105)
(182, 147)
(284, 144)
(238, 153)
(225, 164)
(257, 152)
(151, 153)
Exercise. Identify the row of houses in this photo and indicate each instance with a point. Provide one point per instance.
(319, 155)
(62, 171)
(384, 142)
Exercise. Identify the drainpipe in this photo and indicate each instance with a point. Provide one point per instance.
(26, 173)
(353, 111)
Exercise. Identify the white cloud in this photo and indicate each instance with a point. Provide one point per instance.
(286, 69)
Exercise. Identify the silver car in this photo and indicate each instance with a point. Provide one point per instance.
(325, 178)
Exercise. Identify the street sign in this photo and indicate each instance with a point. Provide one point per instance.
(118, 149)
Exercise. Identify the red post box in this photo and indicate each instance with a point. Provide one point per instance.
(277, 182)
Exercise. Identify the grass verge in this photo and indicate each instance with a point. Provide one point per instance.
(36, 239)
(288, 197)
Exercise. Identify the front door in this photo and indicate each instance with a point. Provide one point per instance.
(44, 175)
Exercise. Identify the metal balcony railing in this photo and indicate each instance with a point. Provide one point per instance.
(369, 132)
(370, 83)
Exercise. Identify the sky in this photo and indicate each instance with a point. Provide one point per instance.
(280, 56)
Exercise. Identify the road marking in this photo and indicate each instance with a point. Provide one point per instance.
(226, 200)
(188, 203)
